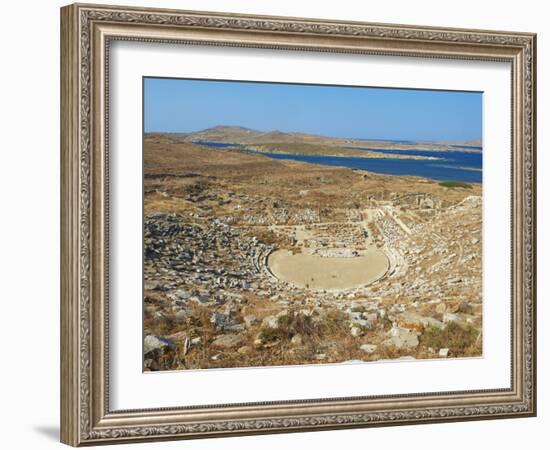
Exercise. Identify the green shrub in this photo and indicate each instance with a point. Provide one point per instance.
(455, 184)
(269, 335)
(454, 337)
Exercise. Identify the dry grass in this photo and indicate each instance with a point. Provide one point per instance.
(179, 172)
(323, 338)
(458, 339)
(280, 180)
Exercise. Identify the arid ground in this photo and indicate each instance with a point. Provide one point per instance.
(254, 261)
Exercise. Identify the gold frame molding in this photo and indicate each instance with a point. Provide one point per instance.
(86, 32)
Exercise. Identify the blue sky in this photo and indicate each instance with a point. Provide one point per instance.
(172, 105)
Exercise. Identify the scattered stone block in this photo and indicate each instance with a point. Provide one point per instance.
(450, 317)
(296, 339)
(369, 348)
(228, 340)
(402, 338)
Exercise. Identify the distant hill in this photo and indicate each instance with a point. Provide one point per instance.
(242, 135)
(248, 136)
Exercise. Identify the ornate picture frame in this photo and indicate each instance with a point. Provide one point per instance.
(87, 31)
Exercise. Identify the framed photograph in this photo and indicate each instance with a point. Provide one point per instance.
(275, 224)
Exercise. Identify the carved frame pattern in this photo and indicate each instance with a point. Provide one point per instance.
(87, 420)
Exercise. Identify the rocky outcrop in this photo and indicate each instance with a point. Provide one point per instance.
(402, 338)
(155, 346)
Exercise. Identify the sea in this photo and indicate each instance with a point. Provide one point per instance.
(464, 164)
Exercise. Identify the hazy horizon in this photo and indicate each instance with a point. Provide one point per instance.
(313, 134)
(390, 114)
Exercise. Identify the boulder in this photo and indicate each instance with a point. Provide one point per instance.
(356, 331)
(218, 319)
(271, 322)
(371, 317)
(450, 317)
(360, 323)
(234, 326)
(282, 313)
(150, 286)
(259, 339)
(150, 364)
(408, 320)
(369, 348)
(250, 320)
(359, 320)
(182, 314)
(230, 310)
(200, 298)
(402, 338)
(228, 340)
(181, 294)
(155, 346)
